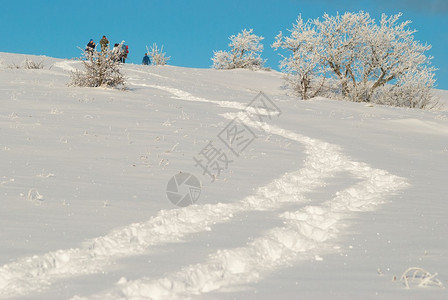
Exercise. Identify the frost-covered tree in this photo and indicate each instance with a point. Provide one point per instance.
(101, 69)
(341, 39)
(245, 49)
(370, 61)
(158, 57)
(394, 57)
(305, 72)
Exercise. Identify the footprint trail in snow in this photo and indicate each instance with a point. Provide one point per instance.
(306, 231)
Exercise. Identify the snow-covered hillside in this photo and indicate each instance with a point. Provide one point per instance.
(317, 199)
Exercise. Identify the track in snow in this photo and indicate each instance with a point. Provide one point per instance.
(310, 228)
(306, 232)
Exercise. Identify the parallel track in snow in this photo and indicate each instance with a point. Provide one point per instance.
(307, 231)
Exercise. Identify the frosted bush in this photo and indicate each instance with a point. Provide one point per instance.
(158, 57)
(30, 64)
(101, 69)
(245, 49)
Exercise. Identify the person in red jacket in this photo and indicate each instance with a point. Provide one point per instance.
(124, 54)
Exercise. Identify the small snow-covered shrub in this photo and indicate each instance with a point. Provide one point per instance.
(101, 69)
(158, 57)
(245, 49)
(14, 66)
(28, 65)
(420, 277)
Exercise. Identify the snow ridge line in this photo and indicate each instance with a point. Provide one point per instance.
(306, 232)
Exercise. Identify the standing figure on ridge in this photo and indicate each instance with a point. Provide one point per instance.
(90, 48)
(124, 53)
(104, 42)
(146, 61)
(116, 52)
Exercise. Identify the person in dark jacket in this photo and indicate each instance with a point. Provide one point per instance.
(90, 48)
(146, 61)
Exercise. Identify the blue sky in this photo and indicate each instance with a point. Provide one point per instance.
(191, 30)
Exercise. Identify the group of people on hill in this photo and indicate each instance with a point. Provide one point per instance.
(119, 52)
(91, 45)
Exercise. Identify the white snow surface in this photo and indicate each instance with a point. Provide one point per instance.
(329, 200)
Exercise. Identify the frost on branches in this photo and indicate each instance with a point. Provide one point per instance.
(305, 72)
(245, 49)
(158, 57)
(101, 69)
(367, 61)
